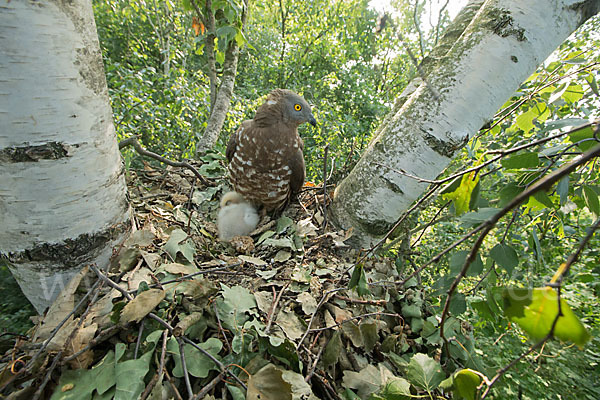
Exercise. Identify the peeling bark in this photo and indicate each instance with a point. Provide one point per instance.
(497, 45)
(62, 191)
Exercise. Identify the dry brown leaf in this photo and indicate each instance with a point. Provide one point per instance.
(143, 304)
(80, 340)
(62, 306)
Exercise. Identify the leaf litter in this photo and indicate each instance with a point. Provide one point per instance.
(182, 315)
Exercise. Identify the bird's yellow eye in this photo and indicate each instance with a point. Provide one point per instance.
(297, 107)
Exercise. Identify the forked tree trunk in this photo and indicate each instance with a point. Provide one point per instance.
(502, 45)
(62, 190)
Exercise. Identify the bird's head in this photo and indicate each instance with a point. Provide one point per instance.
(291, 106)
(230, 198)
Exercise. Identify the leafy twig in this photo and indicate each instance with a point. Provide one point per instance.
(486, 226)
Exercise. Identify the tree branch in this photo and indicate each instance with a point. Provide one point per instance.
(133, 141)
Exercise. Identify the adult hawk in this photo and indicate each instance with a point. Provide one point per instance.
(266, 164)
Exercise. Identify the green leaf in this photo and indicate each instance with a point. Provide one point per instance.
(520, 161)
(466, 382)
(411, 311)
(582, 134)
(543, 198)
(535, 311)
(177, 244)
(562, 189)
(591, 200)
(509, 192)
(537, 245)
(461, 197)
(130, 376)
(424, 372)
(483, 310)
(332, 350)
(75, 384)
(505, 256)
(525, 120)
(369, 335)
(573, 94)
(198, 364)
(452, 186)
(350, 395)
(227, 32)
(359, 281)
(562, 123)
(283, 223)
(591, 79)
(232, 309)
(458, 304)
(396, 389)
(458, 260)
(479, 216)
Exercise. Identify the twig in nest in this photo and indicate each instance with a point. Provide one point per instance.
(209, 386)
(324, 298)
(274, 307)
(158, 375)
(55, 330)
(311, 371)
(133, 141)
(139, 339)
(102, 336)
(38, 392)
(221, 327)
(186, 375)
(359, 301)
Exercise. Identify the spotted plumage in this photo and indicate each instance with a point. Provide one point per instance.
(266, 164)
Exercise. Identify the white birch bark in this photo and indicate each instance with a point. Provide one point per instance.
(503, 44)
(62, 190)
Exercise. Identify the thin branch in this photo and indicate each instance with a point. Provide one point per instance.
(418, 28)
(274, 307)
(186, 375)
(188, 276)
(208, 387)
(542, 184)
(324, 298)
(357, 317)
(133, 141)
(40, 389)
(60, 325)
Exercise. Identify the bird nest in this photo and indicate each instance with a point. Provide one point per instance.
(181, 314)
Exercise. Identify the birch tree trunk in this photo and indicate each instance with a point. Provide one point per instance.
(62, 190)
(499, 48)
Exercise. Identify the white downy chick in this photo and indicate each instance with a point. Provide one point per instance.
(236, 217)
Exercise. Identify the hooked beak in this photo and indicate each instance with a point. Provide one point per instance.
(312, 121)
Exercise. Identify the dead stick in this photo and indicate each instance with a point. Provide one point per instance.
(38, 392)
(186, 375)
(274, 306)
(209, 386)
(133, 141)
